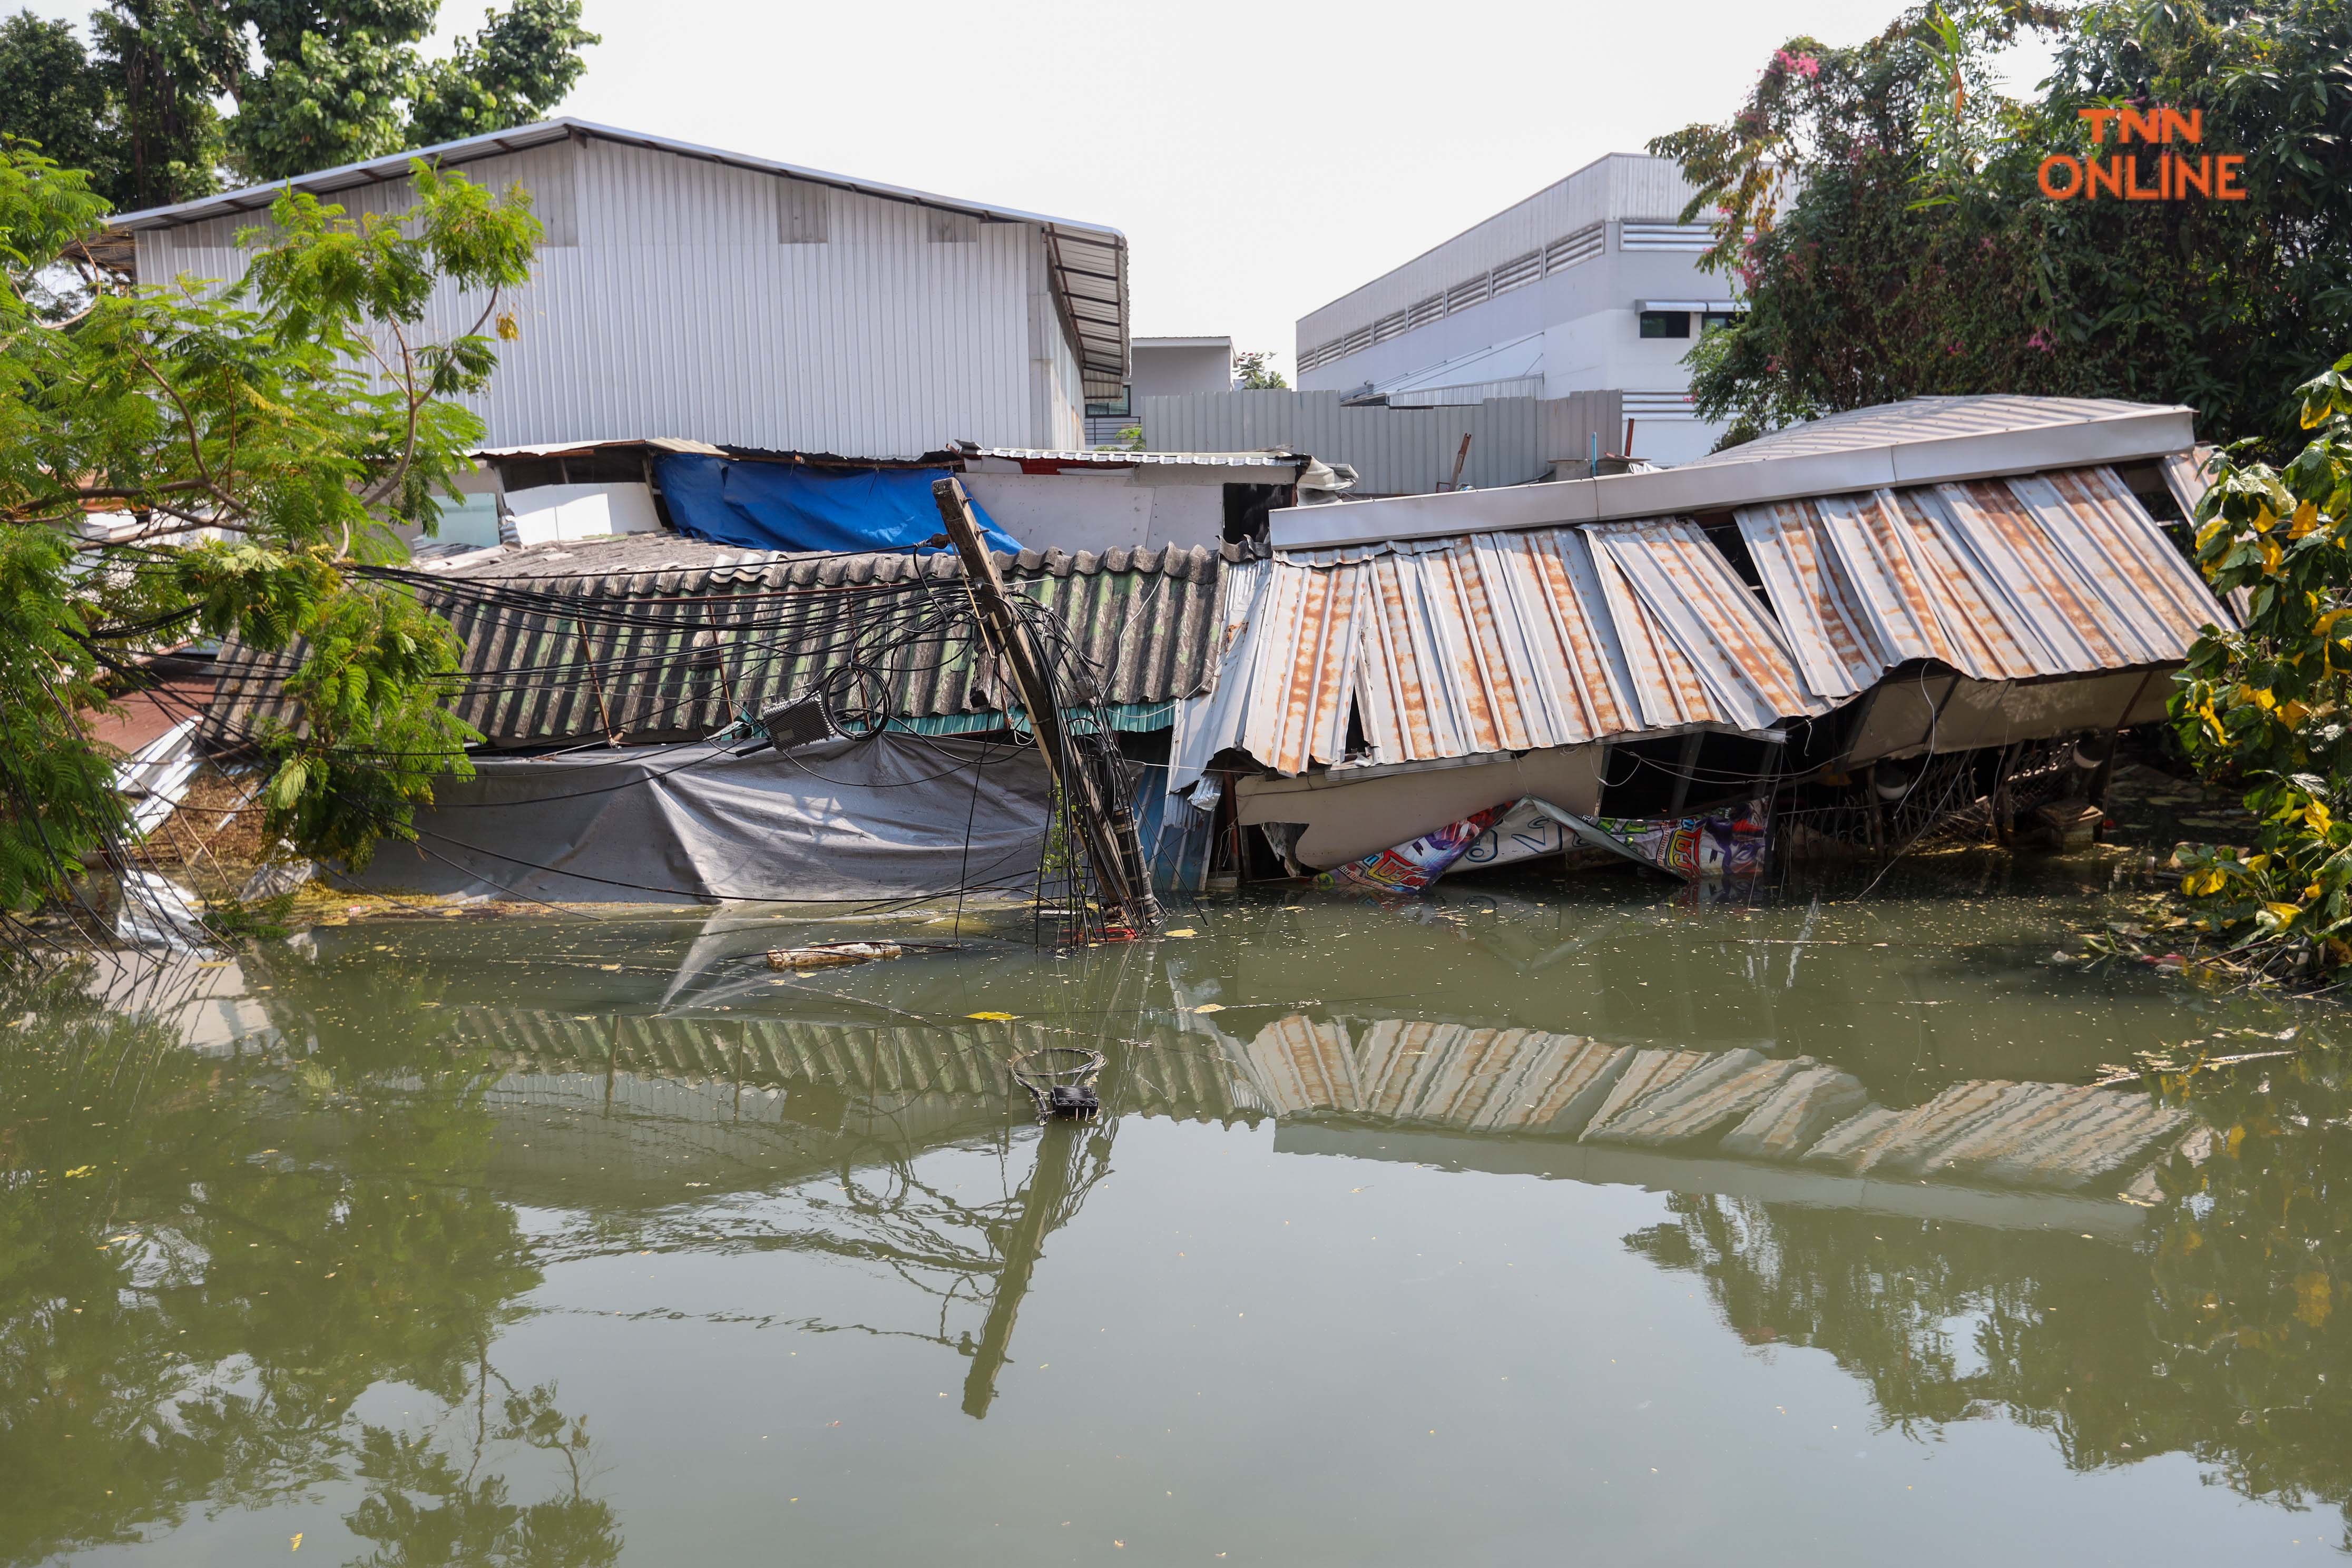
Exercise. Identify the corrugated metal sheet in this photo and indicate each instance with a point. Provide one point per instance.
(1493, 642)
(2053, 573)
(1734, 668)
(1902, 446)
(684, 293)
(559, 666)
(1394, 451)
(1119, 457)
(1917, 419)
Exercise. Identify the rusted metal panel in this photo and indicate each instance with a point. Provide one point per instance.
(2052, 574)
(1742, 667)
(1491, 643)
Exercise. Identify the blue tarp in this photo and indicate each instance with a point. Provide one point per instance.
(782, 506)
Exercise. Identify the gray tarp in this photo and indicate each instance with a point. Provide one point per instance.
(845, 821)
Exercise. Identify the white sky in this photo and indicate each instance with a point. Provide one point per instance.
(1262, 158)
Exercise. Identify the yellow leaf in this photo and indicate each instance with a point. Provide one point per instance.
(2284, 913)
(2314, 1296)
(2305, 519)
(2316, 815)
(80, 1171)
(2292, 712)
(993, 1017)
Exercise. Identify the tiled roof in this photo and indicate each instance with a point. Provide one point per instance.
(661, 638)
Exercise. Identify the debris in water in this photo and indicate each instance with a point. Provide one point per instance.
(829, 956)
(1060, 1080)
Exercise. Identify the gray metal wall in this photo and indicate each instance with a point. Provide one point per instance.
(680, 297)
(1394, 451)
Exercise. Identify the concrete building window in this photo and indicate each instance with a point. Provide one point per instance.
(1716, 319)
(1665, 323)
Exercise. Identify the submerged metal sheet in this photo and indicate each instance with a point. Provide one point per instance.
(2052, 574)
(672, 653)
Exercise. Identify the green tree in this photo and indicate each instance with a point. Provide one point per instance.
(163, 62)
(1880, 208)
(309, 85)
(261, 445)
(1254, 370)
(54, 96)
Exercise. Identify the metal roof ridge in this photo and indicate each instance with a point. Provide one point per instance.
(2149, 431)
(494, 144)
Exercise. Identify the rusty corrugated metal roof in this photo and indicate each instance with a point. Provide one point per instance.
(1495, 642)
(2051, 573)
(660, 654)
(1734, 661)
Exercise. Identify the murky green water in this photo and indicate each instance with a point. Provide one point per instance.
(571, 1242)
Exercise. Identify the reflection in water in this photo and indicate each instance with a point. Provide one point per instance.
(2224, 1340)
(205, 1262)
(266, 1241)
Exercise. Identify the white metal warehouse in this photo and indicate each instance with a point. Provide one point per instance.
(684, 290)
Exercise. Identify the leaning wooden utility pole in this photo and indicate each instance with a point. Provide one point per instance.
(1113, 847)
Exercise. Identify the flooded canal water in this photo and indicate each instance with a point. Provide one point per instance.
(566, 1241)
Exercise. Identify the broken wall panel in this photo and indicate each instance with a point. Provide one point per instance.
(1347, 814)
(1942, 714)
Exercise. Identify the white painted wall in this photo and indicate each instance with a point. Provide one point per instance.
(545, 513)
(1133, 508)
(1166, 367)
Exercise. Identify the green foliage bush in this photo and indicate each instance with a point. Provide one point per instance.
(256, 448)
(2269, 708)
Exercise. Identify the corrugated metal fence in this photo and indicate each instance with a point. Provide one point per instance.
(1394, 451)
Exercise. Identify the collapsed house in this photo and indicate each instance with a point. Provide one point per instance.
(1861, 626)
(615, 682)
(1833, 640)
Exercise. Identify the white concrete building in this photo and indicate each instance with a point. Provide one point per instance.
(687, 291)
(1160, 367)
(1588, 286)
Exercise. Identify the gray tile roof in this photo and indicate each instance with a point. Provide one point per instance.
(664, 637)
